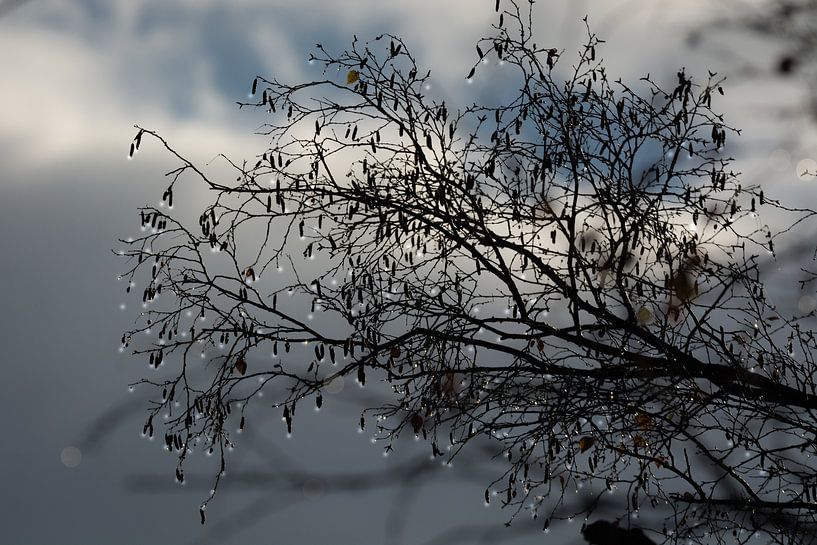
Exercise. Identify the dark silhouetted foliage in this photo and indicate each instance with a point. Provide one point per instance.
(572, 273)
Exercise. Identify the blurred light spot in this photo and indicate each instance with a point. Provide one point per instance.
(806, 304)
(71, 457)
(806, 169)
(335, 386)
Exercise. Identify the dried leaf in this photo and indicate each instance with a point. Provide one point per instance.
(241, 365)
(660, 461)
(644, 316)
(417, 422)
(543, 211)
(686, 289)
(643, 420)
(585, 443)
(352, 77)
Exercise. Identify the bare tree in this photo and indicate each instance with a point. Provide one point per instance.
(572, 273)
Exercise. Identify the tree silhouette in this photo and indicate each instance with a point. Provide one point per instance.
(572, 273)
(603, 532)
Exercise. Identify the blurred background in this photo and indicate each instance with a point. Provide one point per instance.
(77, 75)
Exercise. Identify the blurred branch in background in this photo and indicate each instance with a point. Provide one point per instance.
(783, 35)
(775, 41)
(283, 481)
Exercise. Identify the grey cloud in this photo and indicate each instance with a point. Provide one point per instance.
(76, 77)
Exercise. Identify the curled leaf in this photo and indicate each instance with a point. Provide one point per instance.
(241, 365)
(352, 77)
(417, 423)
(643, 420)
(660, 461)
(685, 286)
(586, 443)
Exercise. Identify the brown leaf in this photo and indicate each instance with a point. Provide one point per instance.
(352, 77)
(585, 443)
(660, 461)
(644, 316)
(241, 365)
(448, 384)
(643, 420)
(395, 352)
(543, 211)
(685, 286)
(417, 422)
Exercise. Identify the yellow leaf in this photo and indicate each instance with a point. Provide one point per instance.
(585, 443)
(352, 77)
(644, 316)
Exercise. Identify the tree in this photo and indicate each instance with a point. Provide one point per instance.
(572, 273)
(603, 532)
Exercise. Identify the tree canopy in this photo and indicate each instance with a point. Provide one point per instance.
(572, 272)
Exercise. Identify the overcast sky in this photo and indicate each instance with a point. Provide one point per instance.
(75, 76)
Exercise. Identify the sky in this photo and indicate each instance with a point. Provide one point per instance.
(75, 78)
